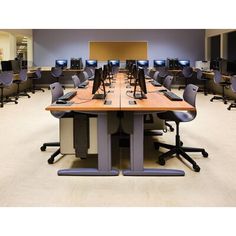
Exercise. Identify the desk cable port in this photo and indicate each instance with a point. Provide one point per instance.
(107, 102)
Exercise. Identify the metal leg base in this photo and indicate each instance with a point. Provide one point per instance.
(153, 172)
(87, 172)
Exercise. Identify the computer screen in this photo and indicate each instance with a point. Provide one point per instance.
(184, 63)
(91, 63)
(159, 63)
(142, 63)
(6, 65)
(114, 62)
(61, 63)
(129, 63)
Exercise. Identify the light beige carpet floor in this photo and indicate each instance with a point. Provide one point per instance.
(27, 180)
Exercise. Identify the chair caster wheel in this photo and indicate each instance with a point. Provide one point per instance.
(229, 108)
(33, 92)
(181, 143)
(205, 154)
(51, 160)
(161, 162)
(196, 168)
(211, 100)
(28, 96)
(43, 148)
(156, 146)
(16, 102)
(225, 102)
(172, 129)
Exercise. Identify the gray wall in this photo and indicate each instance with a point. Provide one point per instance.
(51, 44)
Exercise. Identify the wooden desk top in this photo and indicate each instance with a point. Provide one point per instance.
(155, 101)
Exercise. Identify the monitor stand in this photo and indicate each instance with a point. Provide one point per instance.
(99, 96)
(140, 95)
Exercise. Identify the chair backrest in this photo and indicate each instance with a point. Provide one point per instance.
(151, 73)
(217, 76)
(168, 81)
(38, 73)
(163, 72)
(56, 91)
(199, 73)
(189, 95)
(187, 72)
(56, 72)
(155, 76)
(23, 75)
(233, 83)
(86, 76)
(6, 78)
(75, 80)
(89, 72)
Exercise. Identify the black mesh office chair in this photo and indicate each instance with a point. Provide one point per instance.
(223, 84)
(189, 96)
(90, 73)
(37, 76)
(6, 79)
(187, 73)
(202, 79)
(233, 87)
(22, 79)
(56, 91)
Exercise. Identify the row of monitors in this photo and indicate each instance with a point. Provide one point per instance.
(139, 63)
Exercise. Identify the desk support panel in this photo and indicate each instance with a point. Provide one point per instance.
(104, 153)
(137, 153)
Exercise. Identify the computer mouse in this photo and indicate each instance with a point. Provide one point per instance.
(61, 101)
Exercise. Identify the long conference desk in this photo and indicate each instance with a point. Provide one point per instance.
(132, 122)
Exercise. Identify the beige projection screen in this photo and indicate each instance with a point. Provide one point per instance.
(103, 51)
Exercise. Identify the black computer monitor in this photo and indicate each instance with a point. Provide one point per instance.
(114, 63)
(129, 63)
(159, 63)
(98, 80)
(6, 65)
(91, 63)
(142, 84)
(184, 63)
(173, 63)
(61, 63)
(76, 63)
(143, 63)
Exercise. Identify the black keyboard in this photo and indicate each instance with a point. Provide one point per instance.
(68, 96)
(155, 83)
(172, 96)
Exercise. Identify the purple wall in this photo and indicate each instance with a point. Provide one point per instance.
(162, 43)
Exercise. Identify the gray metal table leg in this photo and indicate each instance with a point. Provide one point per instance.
(137, 152)
(104, 154)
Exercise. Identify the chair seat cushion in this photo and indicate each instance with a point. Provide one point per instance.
(176, 116)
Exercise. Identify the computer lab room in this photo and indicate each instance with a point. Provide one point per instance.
(117, 117)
